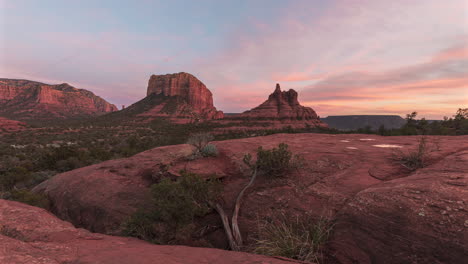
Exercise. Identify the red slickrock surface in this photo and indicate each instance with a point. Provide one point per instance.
(384, 213)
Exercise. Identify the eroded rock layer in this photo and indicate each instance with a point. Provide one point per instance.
(25, 99)
(8, 125)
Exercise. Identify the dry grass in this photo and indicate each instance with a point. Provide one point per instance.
(296, 238)
(416, 159)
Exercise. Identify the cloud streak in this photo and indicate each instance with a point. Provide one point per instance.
(343, 56)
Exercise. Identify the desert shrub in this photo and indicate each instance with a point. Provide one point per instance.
(415, 159)
(141, 225)
(274, 162)
(200, 140)
(13, 176)
(293, 237)
(210, 150)
(11, 232)
(178, 202)
(28, 197)
(175, 204)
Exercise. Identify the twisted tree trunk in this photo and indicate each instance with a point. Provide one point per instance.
(232, 230)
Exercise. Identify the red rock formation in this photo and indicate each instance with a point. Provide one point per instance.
(8, 125)
(337, 168)
(282, 105)
(32, 235)
(31, 100)
(192, 98)
(282, 109)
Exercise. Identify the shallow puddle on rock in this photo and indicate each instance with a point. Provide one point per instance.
(346, 141)
(367, 139)
(351, 148)
(387, 146)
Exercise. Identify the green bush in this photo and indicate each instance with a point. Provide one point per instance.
(175, 204)
(275, 162)
(293, 237)
(28, 197)
(13, 176)
(141, 225)
(200, 140)
(210, 150)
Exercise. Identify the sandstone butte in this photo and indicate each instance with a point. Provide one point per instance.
(282, 105)
(383, 213)
(32, 235)
(181, 96)
(281, 109)
(24, 99)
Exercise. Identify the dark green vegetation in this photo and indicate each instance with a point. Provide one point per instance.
(274, 162)
(174, 205)
(31, 156)
(34, 155)
(300, 238)
(456, 125)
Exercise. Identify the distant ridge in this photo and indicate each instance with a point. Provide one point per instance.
(353, 122)
(30, 100)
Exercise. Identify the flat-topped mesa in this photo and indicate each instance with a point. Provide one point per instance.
(192, 99)
(282, 105)
(28, 100)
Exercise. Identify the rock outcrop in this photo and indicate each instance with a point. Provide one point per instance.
(8, 125)
(183, 96)
(417, 219)
(25, 100)
(32, 235)
(337, 168)
(282, 105)
(282, 109)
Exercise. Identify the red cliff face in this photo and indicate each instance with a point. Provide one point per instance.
(282, 105)
(31, 100)
(192, 98)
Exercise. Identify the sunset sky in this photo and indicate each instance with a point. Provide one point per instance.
(342, 56)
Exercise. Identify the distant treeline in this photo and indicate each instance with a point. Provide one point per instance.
(456, 125)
